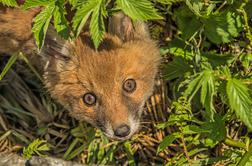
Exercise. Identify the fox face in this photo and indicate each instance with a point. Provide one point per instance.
(108, 87)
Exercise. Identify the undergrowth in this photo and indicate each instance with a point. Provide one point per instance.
(201, 114)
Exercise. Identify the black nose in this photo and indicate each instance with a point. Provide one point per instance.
(122, 131)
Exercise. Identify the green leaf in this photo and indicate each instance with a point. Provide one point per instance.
(217, 131)
(41, 23)
(207, 92)
(34, 3)
(34, 148)
(240, 100)
(177, 68)
(10, 3)
(97, 27)
(166, 142)
(216, 59)
(82, 14)
(193, 129)
(140, 10)
(222, 28)
(194, 86)
(60, 21)
(205, 81)
(184, 19)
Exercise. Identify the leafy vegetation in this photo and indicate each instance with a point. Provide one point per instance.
(202, 115)
(35, 148)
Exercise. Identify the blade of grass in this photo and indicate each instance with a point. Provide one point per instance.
(10, 62)
(24, 58)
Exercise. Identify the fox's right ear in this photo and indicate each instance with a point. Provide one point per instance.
(56, 50)
(123, 27)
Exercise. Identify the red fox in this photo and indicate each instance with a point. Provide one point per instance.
(107, 88)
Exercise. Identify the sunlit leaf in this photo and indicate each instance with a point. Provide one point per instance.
(240, 100)
(60, 21)
(176, 68)
(166, 142)
(41, 23)
(142, 10)
(11, 3)
(222, 28)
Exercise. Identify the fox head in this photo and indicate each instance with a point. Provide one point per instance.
(108, 87)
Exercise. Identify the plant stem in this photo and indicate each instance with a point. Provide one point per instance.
(246, 156)
(234, 143)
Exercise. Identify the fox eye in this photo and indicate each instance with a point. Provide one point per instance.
(89, 99)
(129, 85)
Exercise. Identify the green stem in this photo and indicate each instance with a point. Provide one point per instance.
(233, 143)
(246, 156)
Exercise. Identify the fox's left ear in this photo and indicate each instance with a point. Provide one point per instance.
(123, 27)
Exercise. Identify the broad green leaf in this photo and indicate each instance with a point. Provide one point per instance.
(193, 129)
(177, 51)
(41, 23)
(184, 19)
(167, 1)
(240, 100)
(195, 6)
(73, 2)
(166, 142)
(60, 21)
(223, 27)
(10, 3)
(177, 68)
(217, 131)
(216, 59)
(10, 62)
(97, 27)
(82, 14)
(34, 3)
(194, 86)
(140, 10)
(205, 81)
(207, 92)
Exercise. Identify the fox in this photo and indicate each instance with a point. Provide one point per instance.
(107, 87)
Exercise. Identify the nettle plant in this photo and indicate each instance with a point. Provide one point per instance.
(95, 10)
(211, 77)
(210, 71)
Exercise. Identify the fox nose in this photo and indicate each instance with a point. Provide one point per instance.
(122, 131)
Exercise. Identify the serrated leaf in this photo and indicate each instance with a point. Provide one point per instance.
(207, 92)
(166, 142)
(140, 10)
(10, 3)
(41, 23)
(82, 14)
(97, 27)
(34, 3)
(60, 21)
(184, 19)
(240, 100)
(216, 59)
(177, 68)
(205, 82)
(222, 28)
(194, 86)
(217, 131)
